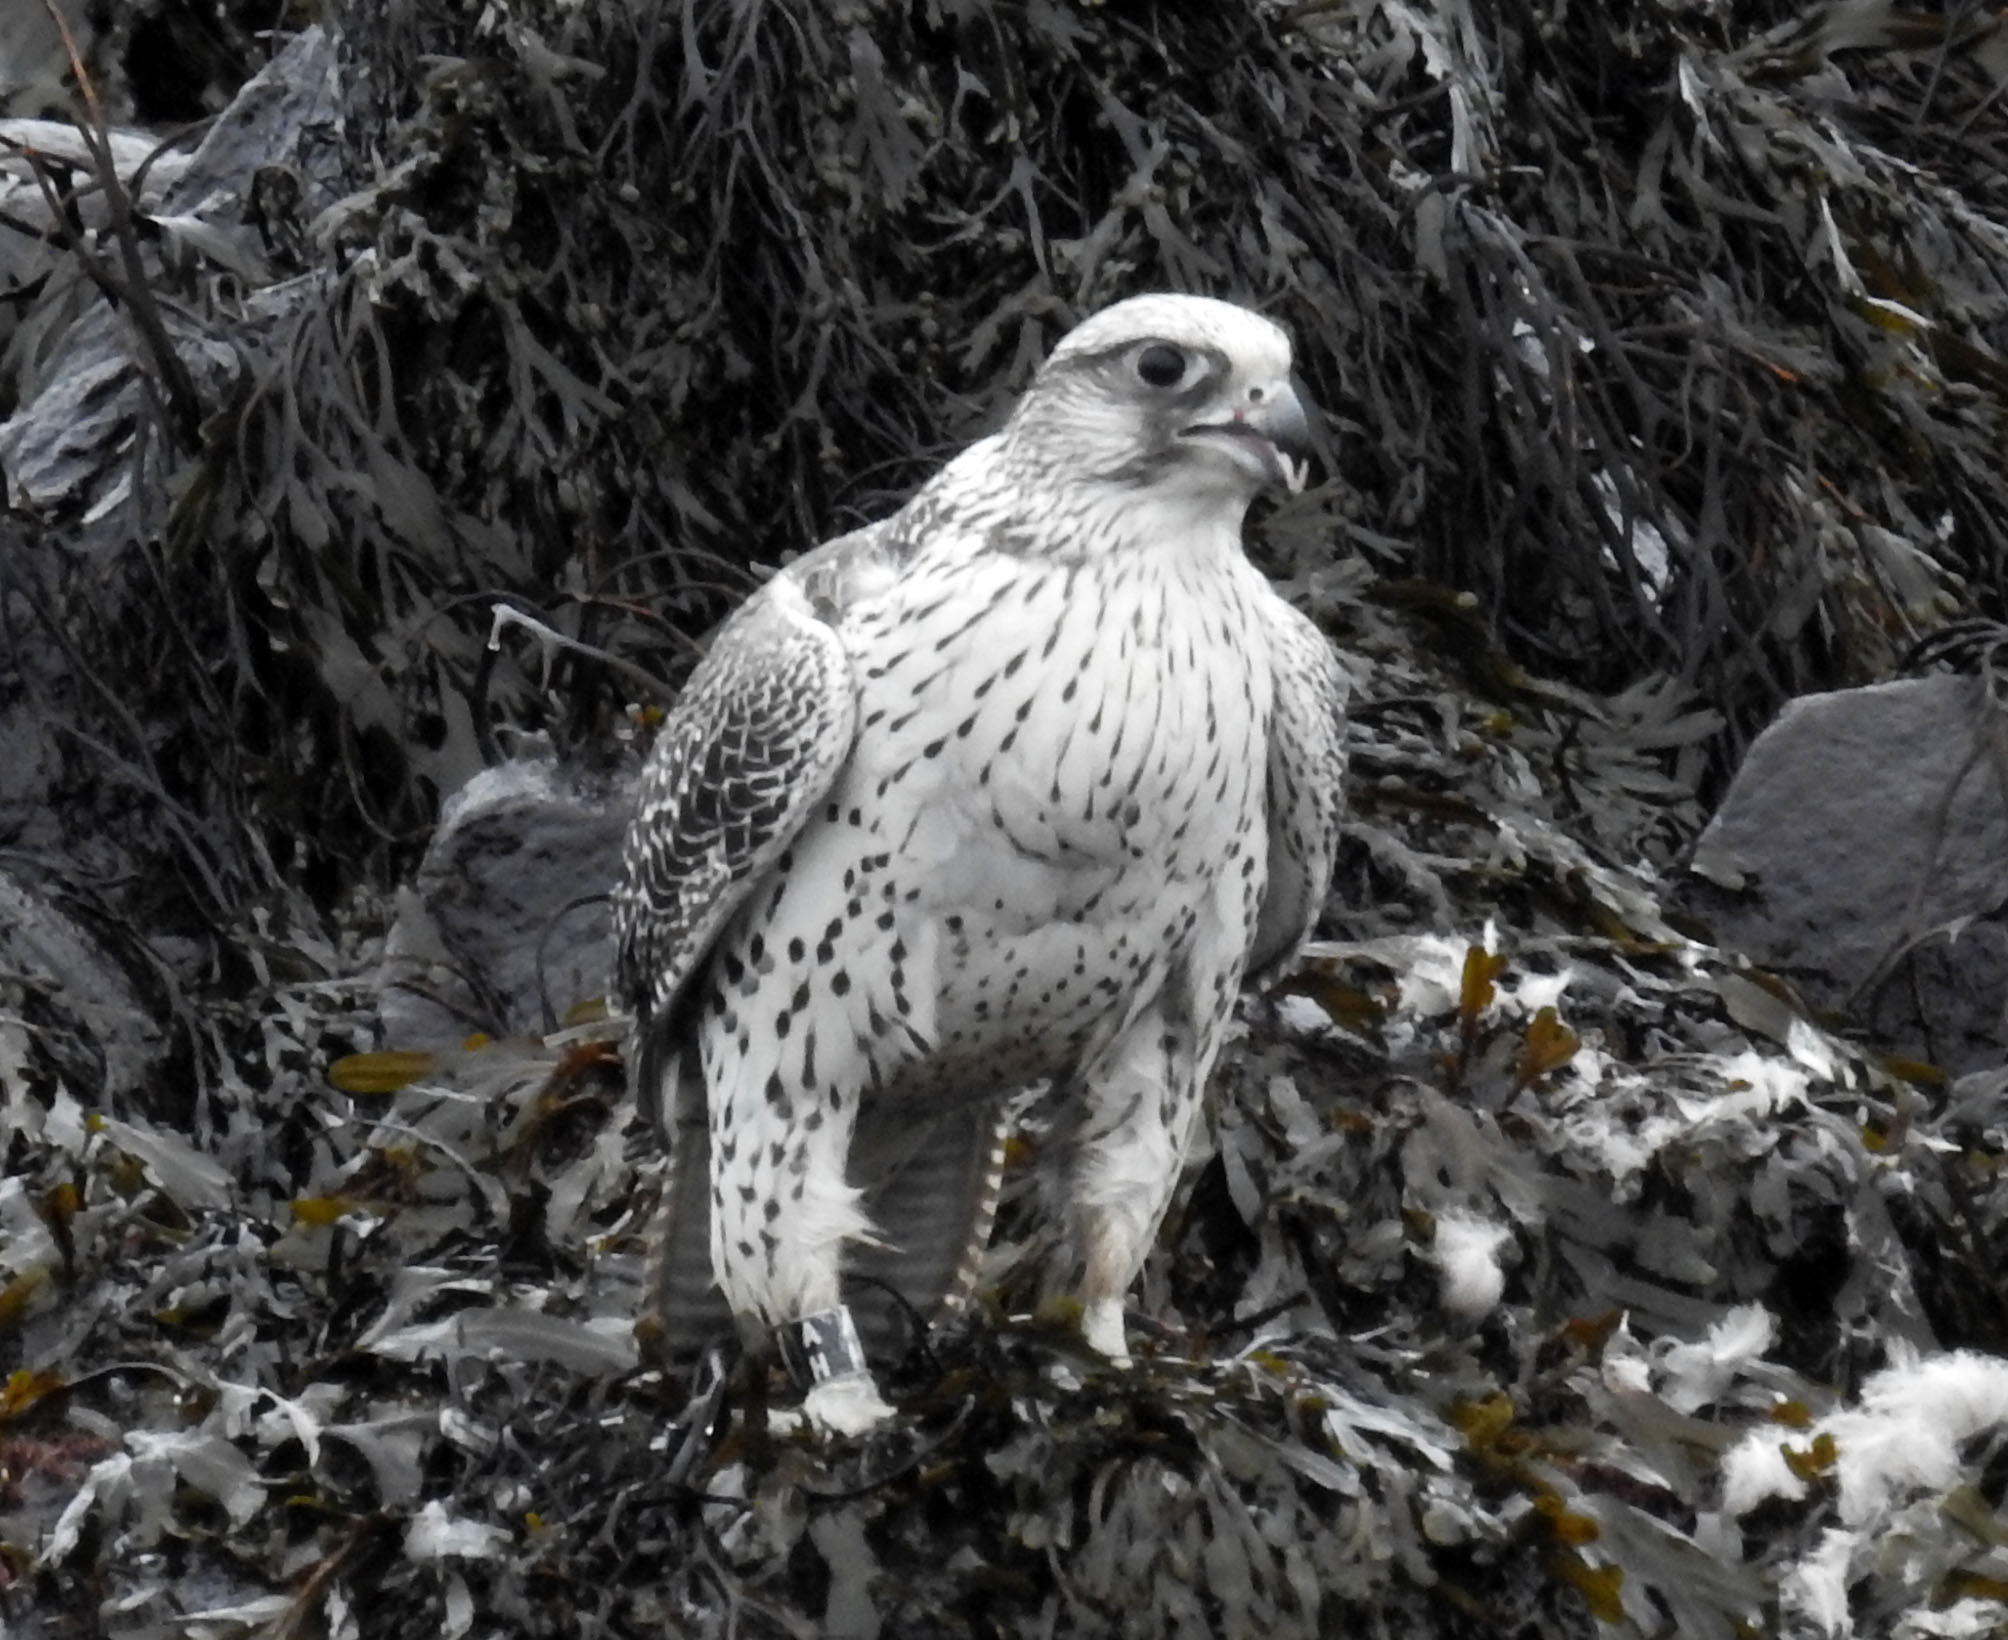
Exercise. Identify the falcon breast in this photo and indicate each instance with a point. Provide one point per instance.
(1016, 786)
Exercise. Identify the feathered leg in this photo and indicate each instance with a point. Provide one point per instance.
(1139, 1105)
(782, 1100)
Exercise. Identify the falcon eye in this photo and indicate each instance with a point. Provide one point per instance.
(1161, 365)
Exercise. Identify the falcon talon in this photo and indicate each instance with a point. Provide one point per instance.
(848, 1406)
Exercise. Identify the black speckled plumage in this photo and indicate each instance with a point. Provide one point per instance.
(1016, 786)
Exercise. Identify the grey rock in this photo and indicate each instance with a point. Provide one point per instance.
(71, 447)
(33, 61)
(288, 116)
(1829, 865)
(505, 926)
(145, 170)
(73, 362)
(69, 1011)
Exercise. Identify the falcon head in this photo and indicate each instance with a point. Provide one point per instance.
(1182, 395)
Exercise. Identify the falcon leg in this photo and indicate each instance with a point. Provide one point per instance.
(1127, 1148)
(781, 1212)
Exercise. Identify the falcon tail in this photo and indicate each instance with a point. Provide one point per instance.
(682, 1309)
(933, 1202)
(931, 1191)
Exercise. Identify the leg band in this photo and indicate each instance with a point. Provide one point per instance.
(820, 1347)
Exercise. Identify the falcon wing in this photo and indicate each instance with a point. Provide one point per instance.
(753, 744)
(1307, 769)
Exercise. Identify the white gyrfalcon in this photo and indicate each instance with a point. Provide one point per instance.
(1016, 786)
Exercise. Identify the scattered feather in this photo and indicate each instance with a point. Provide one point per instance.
(1465, 1251)
(435, 1535)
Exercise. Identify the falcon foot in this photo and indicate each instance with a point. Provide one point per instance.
(1102, 1327)
(850, 1405)
(825, 1357)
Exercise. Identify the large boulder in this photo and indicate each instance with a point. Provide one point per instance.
(1862, 853)
(33, 61)
(504, 930)
(77, 380)
(73, 1019)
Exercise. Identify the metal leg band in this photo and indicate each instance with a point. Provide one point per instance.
(822, 1346)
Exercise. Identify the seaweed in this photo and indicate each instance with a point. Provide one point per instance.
(1661, 348)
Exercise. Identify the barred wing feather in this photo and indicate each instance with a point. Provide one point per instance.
(752, 745)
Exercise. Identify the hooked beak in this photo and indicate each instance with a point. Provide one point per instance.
(1269, 438)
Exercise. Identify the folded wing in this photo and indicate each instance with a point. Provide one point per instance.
(1307, 770)
(752, 745)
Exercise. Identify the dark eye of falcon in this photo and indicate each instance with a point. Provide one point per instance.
(1161, 365)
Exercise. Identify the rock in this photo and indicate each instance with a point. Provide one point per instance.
(82, 390)
(78, 406)
(287, 117)
(1827, 864)
(70, 1014)
(505, 927)
(33, 61)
